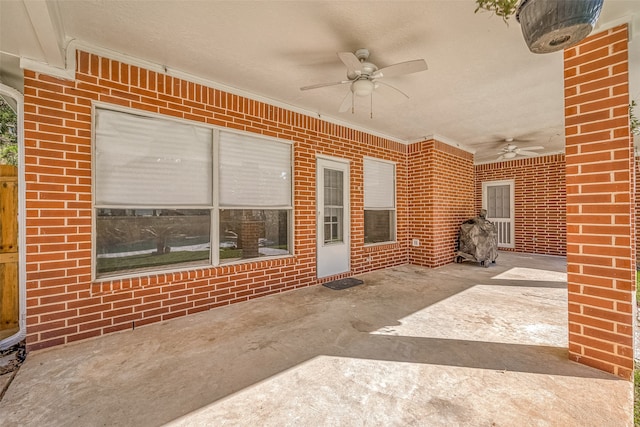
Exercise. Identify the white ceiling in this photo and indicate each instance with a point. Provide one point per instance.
(483, 85)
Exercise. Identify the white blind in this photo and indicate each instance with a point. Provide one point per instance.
(379, 184)
(254, 171)
(144, 161)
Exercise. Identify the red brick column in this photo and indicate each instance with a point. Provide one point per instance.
(601, 253)
(637, 171)
(441, 197)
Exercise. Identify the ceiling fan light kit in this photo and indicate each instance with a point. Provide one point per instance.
(362, 87)
(364, 77)
(552, 25)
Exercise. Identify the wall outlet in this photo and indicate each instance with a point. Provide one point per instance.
(415, 242)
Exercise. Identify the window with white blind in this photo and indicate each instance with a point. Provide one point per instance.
(379, 201)
(255, 197)
(161, 199)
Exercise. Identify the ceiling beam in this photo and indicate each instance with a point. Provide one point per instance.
(48, 29)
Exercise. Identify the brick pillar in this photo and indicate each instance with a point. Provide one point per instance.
(637, 171)
(441, 197)
(250, 232)
(601, 256)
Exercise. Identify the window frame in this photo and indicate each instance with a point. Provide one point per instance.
(214, 208)
(394, 226)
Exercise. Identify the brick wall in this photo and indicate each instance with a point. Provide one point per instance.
(64, 305)
(637, 172)
(440, 198)
(540, 198)
(601, 225)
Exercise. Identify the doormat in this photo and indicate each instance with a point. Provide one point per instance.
(338, 285)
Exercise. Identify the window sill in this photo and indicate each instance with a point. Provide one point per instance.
(379, 245)
(141, 279)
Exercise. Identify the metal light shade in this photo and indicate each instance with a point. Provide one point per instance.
(552, 25)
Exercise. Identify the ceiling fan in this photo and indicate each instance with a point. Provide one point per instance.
(512, 150)
(364, 77)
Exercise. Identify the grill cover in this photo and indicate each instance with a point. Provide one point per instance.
(478, 240)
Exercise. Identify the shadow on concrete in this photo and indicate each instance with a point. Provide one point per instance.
(533, 359)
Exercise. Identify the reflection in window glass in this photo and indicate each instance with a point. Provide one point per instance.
(333, 205)
(379, 226)
(135, 239)
(253, 233)
(333, 225)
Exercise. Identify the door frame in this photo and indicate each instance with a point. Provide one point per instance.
(10, 92)
(346, 213)
(512, 226)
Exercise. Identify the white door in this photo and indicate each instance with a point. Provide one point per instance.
(497, 199)
(332, 201)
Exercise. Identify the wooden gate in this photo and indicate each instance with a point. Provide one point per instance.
(9, 306)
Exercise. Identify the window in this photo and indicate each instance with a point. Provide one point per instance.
(130, 239)
(160, 196)
(333, 206)
(379, 201)
(255, 197)
(498, 201)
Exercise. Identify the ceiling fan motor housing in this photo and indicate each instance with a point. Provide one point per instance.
(362, 54)
(552, 25)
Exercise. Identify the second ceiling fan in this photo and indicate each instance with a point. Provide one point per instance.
(364, 77)
(512, 150)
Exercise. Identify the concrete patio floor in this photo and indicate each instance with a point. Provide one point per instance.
(457, 345)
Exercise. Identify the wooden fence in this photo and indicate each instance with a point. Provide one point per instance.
(9, 307)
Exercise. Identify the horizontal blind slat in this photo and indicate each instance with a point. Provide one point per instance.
(144, 161)
(254, 171)
(379, 184)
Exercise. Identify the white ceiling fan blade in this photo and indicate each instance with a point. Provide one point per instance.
(347, 103)
(351, 61)
(401, 68)
(325, 85)
(392, 87)
(533, 147)
(528, 153)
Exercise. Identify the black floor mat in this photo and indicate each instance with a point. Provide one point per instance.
(343, 283)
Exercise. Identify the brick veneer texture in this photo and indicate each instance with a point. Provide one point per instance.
(64, 305)
(637, 171)
(600, 203)
(441, 197)
(540, 201)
